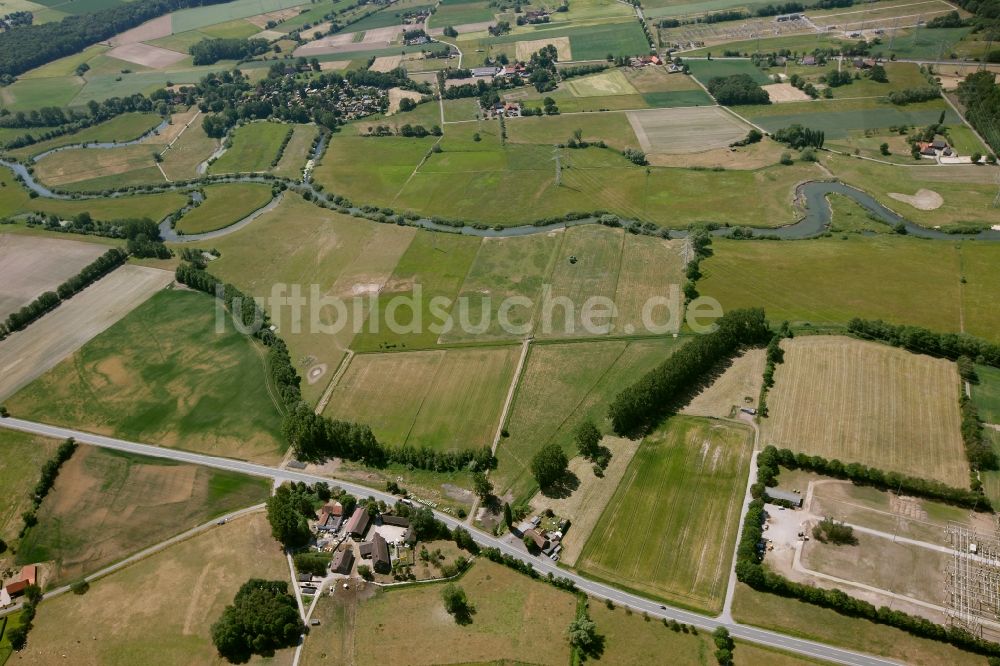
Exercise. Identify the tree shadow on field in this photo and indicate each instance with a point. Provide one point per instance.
(563, 487)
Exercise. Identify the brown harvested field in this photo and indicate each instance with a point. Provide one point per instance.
(397, 95)
(28, 354)
(154, 29)
(657, 79)
(386, 64)
(83, 164)
(183, 591)
(527, 47)
(317, 30)
(179, 123)
(382, 36)
(729, 392)
(900, 568)
(686, 130)
(785, 92)
(651, 268)
(868, 403)
(279, 15)
(334, 65)
(106, 505)
(586, 504)
(515, 619)
(146, 55)
(31, 265)
(755, 156)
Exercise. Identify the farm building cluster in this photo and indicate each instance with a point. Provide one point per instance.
(546, 535)
(15, 587)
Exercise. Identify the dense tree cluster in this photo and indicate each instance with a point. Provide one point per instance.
(640, 405)
(724, 646)
(18, 636)
(288, 511)
(263, 618)
(737, 89)
(581, 70)
(316, 438)
(978, 450)
(799, 137)
(312, 562)
(27, 46)
(980, 95)
(211, 51)
(949, 20)
(548, 465)
(829, 530)
(914, 95)
(924, 341)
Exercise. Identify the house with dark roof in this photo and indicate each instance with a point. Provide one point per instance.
(795, 499)
(343, 561)
(398, 521)
(540, 540)
(358, 524)
(380, 555)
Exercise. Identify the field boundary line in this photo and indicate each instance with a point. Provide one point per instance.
(337, 376)
(514, 382)
(423, 398)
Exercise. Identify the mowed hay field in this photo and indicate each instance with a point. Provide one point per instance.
(94, 168)
(515, 618)
(444, 399)
(686, 130)
(162, 375)
(294, 157)
(982, 284)
(31, 265)
(254, 147)
(868, 403)
(669, 530)
(560, 386)
(830, 280)
(20, 467)
(224, 205)
(107, 504)
(161, 609)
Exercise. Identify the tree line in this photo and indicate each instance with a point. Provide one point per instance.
(50, 470)
(54, 121)
(799, 137)
(924, 341)
(640, 405)
(737, 89)
(771, 458)
(25, 47)
(142, 234)
(211, 51)
(50, 300)
(980, 95)
(318, 438)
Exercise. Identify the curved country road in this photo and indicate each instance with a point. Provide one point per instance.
(541, 564)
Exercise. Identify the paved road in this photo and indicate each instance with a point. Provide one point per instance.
(541, 564)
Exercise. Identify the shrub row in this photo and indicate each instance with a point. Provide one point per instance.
(979, 452)
(50, 470)
(924, 341)
(284, 144)
(495, 555)
(641, 404)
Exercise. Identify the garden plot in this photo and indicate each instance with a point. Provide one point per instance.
(686, 130)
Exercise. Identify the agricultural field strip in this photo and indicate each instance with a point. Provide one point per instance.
(543, 566)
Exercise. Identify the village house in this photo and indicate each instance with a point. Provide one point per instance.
(358, 524)
(28, 577)
(330, 517)
(378, 551)
(343, 561)
(808, 60)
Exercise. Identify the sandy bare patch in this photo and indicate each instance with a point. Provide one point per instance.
(922, 200)
(463, 28)
(334, 65)
(397, 95)
(158, 27)
(261, 20)
(269, 35)
(31, 265)
(686, 130)
(146, 55)
(585, 505)
(382, 35)
(28, 354)
(525, 49)
(317, 30)
(738, 386)
(386, 63)
(785, 92)
(334, 44)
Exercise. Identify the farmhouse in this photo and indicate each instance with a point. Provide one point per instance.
(378, 550)
(358, 524)
(795, 499)
(343, 561)
(398, 521)
(28, 577)
(540, 539)
(330, 517)
(808, 60)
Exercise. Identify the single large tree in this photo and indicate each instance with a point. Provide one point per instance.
(549, 465)
(588, 439)
(262, 618)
